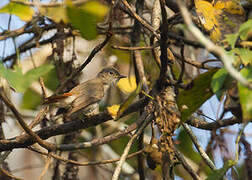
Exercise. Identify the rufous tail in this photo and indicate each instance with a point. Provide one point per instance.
(56, 98)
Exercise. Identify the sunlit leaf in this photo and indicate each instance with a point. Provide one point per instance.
(24, 12)
(190, 100)
(19, 81)
(220, 17)
(208, 17)
(231, 39)
(113, 110)
(127, 85)
(86, 17)
(57, 13)
(245, 95)
(245, 55)
(129, 100)
(245, 28)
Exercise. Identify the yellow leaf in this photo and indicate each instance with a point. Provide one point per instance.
(207, 14)
(230, 6)
(127, 85)
(94, 7)
(113, 110)
(129, 100)
(24, 12)
(220, 17)
(57, 14)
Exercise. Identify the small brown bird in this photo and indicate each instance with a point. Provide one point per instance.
(86, 95)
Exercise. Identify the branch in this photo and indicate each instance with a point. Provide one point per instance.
(75, 125)
(33, 45)
(33, 135)
(199, 148)
(127, 148)
(139, 19)
(99, 141)
(94, 163)
(201, 124)
(186, 165)
(8, 174)
(87, 61)
(163, 45)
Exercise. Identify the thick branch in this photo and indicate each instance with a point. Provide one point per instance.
(75, 125)
(196, 122)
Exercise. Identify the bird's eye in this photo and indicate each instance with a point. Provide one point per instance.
(110, 72)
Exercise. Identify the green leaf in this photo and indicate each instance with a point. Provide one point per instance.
(217, 83)
(31, 99)
(86, 17)
(219, 173)
(51, 79)
(231, 39)
(245, 55)
(185, 145)
(129, 100)
(190, 100)
(245, 28)
(24, 12)
(19, 81)
(245, 95)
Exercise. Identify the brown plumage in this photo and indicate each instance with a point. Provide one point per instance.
(86, 93)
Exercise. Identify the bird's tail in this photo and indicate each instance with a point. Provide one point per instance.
(56, 98)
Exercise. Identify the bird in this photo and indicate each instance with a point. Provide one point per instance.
(86, 96)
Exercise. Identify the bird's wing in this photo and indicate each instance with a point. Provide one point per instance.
(55, 98)
(86, 93)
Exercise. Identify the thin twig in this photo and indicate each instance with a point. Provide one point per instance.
(44, 144)
(192, 62)
(33, 45)
(155, 21)
(199, 148)
(87, 61)
(237, 140)
(180, 78)
(103, 140)
(139, 19)
(94, 163)
(133, 48)
(4, 156)
(163, 45)
(140, 77)
(201, 124)
(186, 165)
(127, 148)
(8, 174)
(48, 162)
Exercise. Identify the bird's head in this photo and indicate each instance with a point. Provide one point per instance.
(110, 75)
